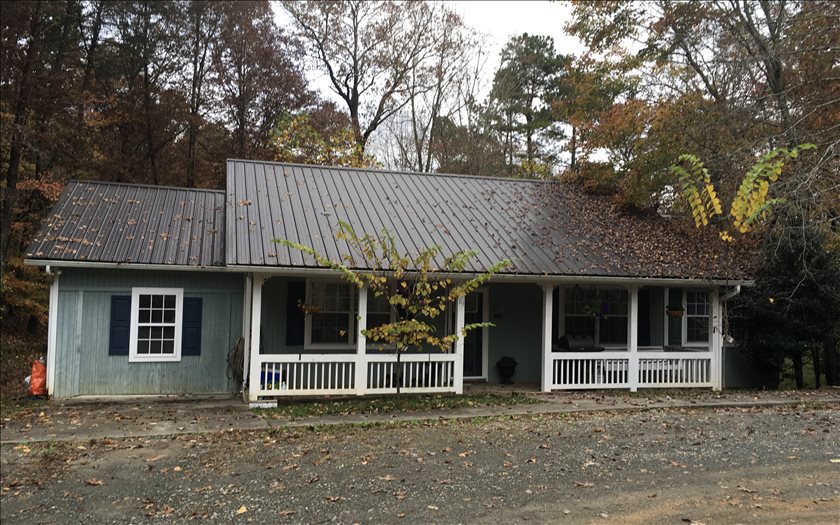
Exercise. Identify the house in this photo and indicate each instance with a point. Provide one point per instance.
(153, 286)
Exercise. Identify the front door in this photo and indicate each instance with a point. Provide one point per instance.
(473, 343)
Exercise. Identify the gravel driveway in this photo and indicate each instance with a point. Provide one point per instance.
(659, 466)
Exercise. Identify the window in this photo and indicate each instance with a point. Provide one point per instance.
(600, 314)
(156, 315)
(579, 309)
(697, 317)
(332, 314)
(613, 320)
(379, 311)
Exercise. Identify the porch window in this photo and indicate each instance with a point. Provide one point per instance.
(331, 316)
(599, 314)
(580, 307)
(379, 312)
(613, 320)
(697, 317)
(156, 315)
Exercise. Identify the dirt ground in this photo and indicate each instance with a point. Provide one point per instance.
(768, 465)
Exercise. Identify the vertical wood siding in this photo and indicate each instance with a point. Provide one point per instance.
(83, 366)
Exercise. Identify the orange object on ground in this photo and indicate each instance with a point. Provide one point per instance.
(38, 382)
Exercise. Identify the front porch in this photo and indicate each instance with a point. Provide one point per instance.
(633, 342)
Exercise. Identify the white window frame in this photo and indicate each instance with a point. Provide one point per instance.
(696, 344)
(351, 332)
(133, 356)
(391, 319)
(563, 314)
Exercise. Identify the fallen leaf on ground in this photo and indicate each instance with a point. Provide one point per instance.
(94, 482)
(242, 510)
(585, 484)
(288, 512)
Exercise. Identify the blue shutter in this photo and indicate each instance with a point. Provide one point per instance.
(120, 334)
(295, 318)
(191, 323)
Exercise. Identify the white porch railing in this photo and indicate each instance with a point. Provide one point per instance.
(335, 374)
(590, 370)
(414, 373)
(298, 374)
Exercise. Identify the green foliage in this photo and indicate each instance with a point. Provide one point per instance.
(751, 203)
(794, 307)
(295, 139)
(419, 287)
(697, 189)
(529, 78)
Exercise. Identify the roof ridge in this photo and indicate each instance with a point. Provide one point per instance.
(141, 185)
(397, 172)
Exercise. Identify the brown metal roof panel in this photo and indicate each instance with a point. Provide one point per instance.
(119, 223)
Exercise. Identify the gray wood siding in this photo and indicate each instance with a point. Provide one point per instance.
(83, 366)
(516, 310)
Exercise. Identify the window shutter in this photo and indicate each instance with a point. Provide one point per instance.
(191, 331)
(118, 340)
(295, 317)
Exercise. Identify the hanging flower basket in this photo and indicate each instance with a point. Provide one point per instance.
(674, 311)
(309, 309)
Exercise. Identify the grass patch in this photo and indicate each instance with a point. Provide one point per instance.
(392, 404)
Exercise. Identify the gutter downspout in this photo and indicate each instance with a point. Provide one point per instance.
(732, 293)
(735, 292)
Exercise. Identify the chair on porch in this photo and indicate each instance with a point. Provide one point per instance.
(576, 343)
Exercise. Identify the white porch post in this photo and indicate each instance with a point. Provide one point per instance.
(459, 346)
(633, 340)
(547, 377)
(716, 339)
(254, 363)
(246, 331)
(52, 333)
(360, 380)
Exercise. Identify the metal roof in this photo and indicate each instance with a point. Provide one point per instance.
(132, 223)
(543, 228)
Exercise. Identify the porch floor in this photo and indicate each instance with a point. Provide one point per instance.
(483, 387)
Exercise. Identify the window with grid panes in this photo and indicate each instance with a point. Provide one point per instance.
(697, 317)
(156, 324)
(334, 319)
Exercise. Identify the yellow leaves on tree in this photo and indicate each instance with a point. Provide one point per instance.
(419, 287)
(697, 189)
(752, 201)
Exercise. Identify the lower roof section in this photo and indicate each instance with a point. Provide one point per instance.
(104, 222)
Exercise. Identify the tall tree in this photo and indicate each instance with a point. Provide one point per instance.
(368, 50)
(434, 90)
(258, 78)
(202, 32)
(527, 82)
(22, 23)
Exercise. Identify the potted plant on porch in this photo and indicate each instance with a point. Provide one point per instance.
(506, 367)
(674, 311)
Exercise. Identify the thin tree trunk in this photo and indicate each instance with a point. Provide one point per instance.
(16, 146)
(831, 362)
(573, 147)
(798, 376)
(815, 356)
(48, 107)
